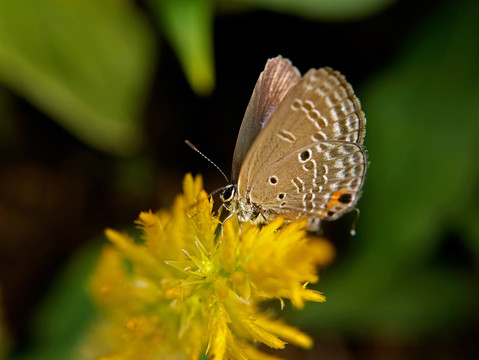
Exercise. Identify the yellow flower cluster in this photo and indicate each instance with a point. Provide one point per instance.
(186, 288)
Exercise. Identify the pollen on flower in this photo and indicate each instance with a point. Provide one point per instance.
(188, 289)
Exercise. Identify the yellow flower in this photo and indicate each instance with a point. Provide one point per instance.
(187, 288)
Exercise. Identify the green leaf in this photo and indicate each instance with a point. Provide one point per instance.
(323, 9)
(188, 25)
(86, 63)
(422, 141)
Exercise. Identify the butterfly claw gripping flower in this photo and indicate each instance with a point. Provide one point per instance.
(184, 290)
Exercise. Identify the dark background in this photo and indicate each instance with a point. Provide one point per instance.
(405, 287)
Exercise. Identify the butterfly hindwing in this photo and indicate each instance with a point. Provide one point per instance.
(313, 145)
(323, 179)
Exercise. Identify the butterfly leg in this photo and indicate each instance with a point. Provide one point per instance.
(229, 217)
(226, 219)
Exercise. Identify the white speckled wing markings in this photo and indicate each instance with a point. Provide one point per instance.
(321, 180)
(312, 145)
(277, 79)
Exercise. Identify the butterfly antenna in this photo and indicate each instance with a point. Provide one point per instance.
(207, 158)
(214, 192)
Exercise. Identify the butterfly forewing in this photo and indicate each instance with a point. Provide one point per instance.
(277, 79)
(308, 161)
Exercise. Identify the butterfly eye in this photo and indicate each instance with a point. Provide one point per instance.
(227, 193)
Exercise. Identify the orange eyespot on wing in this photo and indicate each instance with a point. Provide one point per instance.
(340, 197)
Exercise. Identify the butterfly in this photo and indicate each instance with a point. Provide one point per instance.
(299, 151)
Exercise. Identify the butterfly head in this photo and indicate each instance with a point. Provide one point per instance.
(244, 207)
(229, 196)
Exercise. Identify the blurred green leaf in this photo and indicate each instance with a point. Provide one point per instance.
(66, 312)
(188, 25)
(322, 9)
(86, 63)
(422, 183)
(470, 223)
